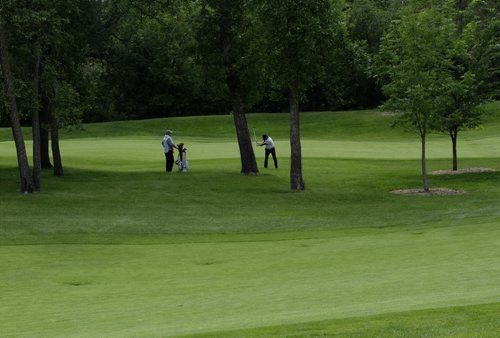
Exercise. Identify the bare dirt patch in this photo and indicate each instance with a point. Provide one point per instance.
(462, 171)
(431, 192)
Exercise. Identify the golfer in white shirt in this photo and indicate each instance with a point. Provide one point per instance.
(268, 142)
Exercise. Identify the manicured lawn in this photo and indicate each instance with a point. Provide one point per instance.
(140, 288)
(117, 247)
(214, 198)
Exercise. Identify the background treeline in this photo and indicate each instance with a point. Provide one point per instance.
(129, 59)
(62, 63)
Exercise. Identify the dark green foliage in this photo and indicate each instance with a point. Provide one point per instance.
(435, 79)
(150, 62)
(483, 33)
(137, 59)
(417, 56)
(299, 39)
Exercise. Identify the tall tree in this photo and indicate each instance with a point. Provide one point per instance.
(462, 110)
(222, 26)
(25, 28)
(49, 40)
(28, 28)
(34, 23)
(35, 122)
(76, 24)
(417, 56)
(69, 35)
(298, 33)
(11, 101)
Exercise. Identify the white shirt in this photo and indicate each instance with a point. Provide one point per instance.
(269, 143)
(168, 143)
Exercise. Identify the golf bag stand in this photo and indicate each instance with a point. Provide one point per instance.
(182, 162)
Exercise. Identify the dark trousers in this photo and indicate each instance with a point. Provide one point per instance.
(169, 158)
(272, 152)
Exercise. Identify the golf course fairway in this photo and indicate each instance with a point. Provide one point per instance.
(119, 248)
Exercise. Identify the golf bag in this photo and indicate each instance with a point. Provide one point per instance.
(182, 162)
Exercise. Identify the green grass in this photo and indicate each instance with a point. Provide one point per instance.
(464, 321)
(119, 248)
(223, 201)
(367, 126)
(140, 289)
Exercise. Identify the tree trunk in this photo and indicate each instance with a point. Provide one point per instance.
(44, 140)
(22, 158)
(248, 161)
(296, 181)
(454, 135)
(425, 180)
(35, 126)
(44, 129)
(247, 155)
(54, 141)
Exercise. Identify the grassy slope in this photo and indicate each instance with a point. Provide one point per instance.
(340, 126)
(224, 260)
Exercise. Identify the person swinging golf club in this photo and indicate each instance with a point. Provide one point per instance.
(268, 142)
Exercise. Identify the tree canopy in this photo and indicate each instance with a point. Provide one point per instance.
(85, 61)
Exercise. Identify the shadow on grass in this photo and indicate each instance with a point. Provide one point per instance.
(216, 199)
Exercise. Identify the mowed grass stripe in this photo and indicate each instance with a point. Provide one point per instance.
(127, 290)
(146, 154)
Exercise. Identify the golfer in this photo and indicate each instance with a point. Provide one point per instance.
(168, 146)
(268, 142)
